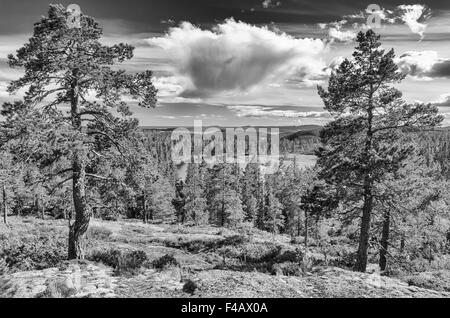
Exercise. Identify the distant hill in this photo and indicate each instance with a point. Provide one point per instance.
(302, 139)
(284, 130)
(293, 139)
(313, 131)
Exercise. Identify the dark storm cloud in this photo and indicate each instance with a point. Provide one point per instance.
(441, 69)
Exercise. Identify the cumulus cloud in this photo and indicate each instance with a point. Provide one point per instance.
(340, 31)
(443, 101)
(168, 86)
(424, 65)
(260, 111)
(337, 34)
(446, 122)
(236, 56)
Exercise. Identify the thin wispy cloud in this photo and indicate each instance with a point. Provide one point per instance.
(260, 111)
(270, 3)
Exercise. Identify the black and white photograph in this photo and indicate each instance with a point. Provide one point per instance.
(235, 150)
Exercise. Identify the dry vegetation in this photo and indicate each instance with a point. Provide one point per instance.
(130, 259)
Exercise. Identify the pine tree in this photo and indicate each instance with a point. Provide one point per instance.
(273, 219)
(290, 184)
(250, 207)
(196, 209)
(252, 192)
(249, 191)
(317, 202)
(412, 206)
(66, 65)
(369, 115)
(224, 200)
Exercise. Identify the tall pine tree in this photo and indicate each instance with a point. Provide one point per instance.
(196, 209)
(224, 199)
(65, 118)
(369, 116)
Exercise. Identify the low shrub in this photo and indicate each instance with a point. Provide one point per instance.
(190, 287)
(3, 267)
(180, 229)
(306, 263)
(423, 282)
(287, 269)
(262, 257)
(297, 240)
(138, 230)
(235, 240)
(165, 261)
(134, 259)
(108, 215)
(109, 257)
(259, 253)
(123, 262)
(33, 252)
(246, 228)
(343, 257)
(98, 232)
(287, 255)
(202, 245)
(438, 281)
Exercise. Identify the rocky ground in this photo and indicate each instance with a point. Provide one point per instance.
(97, 281)
(200, 254)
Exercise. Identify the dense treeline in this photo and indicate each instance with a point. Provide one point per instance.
(435, 149)
(226, 195)
(127, 186)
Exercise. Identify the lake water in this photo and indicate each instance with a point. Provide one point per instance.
(301, 162)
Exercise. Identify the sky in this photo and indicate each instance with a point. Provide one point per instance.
(252, 62)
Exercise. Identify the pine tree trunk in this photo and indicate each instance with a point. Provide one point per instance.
(385, 241)
(78, 229)
(222, 213)
(39, 206)
(361, 258)
(42, 206)
(306, 230)
(144, 208)
(5, 206)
